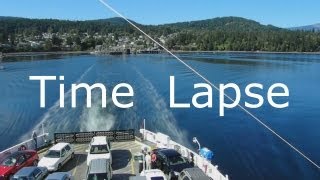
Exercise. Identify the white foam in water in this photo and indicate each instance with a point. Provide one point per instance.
(163, 119)
(56, 117)
(97, 118)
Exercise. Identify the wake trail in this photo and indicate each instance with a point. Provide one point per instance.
(163, 119)
(57, 117)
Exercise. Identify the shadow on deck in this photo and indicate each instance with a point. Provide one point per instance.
(75, 162)
(120, 158)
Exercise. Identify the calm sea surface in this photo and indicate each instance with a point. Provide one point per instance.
(243, 148)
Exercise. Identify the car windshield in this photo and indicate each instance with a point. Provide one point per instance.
(20, 178)
(157, 178)
(52, 154)
(175, 160)
(101, 176)
(99, 149)
(10, 161)
(53, 178)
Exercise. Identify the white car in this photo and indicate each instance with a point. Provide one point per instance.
(99, 148)
(57, 156)
(153, 174)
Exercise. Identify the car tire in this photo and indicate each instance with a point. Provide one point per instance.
(35, 163)
(172, 176)
(59, 167)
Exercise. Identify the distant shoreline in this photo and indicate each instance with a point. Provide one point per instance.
(252, 52)
(16, 54)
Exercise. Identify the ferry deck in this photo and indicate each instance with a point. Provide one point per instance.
(123, 164)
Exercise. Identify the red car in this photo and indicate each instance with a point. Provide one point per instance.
(15, 161)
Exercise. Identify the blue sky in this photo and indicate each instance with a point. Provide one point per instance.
(283, 13)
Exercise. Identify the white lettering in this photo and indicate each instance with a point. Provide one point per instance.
(272, 94)
(42, 80)
(115, 94)
(222, 96)
(172, 99)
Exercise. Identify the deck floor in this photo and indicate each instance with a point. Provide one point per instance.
(123, 163)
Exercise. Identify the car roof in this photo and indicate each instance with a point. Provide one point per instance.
(58, 146)
(153, 173)
(196, 173)
(99, 140)
(57, 175)
(26, 171)
(98, 166)
(137, 178)
(169, 152)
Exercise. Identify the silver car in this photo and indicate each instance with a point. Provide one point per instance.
(31, 173)
(99, 169)
(60, 176)
(193, 174)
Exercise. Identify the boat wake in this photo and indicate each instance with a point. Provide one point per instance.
(58, 119)
(152, 107)
(97, 118)
(162, 119)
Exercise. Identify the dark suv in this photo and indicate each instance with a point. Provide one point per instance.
(170, 162)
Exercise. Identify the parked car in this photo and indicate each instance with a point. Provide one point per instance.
(57, 156)
(99, 148)
(60, 176)
(153, 174)
(193, 174)
(170, 162)
(17, 160)
(31, 173)
(99, 169)
(137, 178)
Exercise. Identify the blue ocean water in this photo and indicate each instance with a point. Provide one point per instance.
(243, 148)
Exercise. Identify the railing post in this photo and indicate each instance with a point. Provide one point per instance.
(74, 137)
(144, 129)
(114, 135)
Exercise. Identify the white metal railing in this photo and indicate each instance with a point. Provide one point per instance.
(161, 141)
(28, 144)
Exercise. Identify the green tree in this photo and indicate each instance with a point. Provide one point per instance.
(56, 41)
(48, 45)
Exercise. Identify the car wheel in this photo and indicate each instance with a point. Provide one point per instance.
(172, 176)
(59, 167)
(35, 163)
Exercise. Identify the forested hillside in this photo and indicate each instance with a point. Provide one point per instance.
(226, 33)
